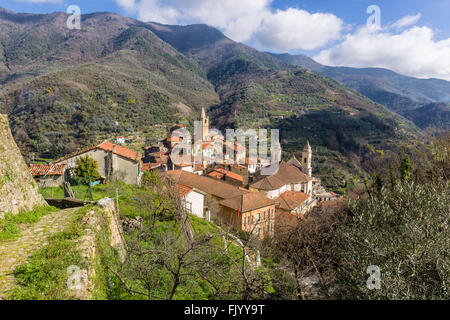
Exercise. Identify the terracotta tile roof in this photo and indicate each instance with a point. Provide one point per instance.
(247, 202)
(150, 166)
(183, 190)
(158, 154)
(198, 167)
(38, 170)
(205, 184)
(221, 170)
(174, 139)
(107, 146)
(235, 146)
(219, 173)
(183, 165)
(291, 174)
(235, 176)
(121, 151)
(216, 175)
(294, 162)
(290, 200)
(286, 174)
(268, 183)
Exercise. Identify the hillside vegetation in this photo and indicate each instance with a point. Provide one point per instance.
(423, 101)
(64, 89)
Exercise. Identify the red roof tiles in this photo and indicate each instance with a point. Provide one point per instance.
(235, 176)
(291, 200)
(39, 170)
(247, 202)
(183, 190)
(286, 174)
(107, 146)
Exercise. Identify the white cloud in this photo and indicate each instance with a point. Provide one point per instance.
(128, 5)
(400, 46)
(237, 18)
(245, 20)
(412, 52)
(295, 29)
(406, 21)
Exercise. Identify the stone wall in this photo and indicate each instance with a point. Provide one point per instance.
(87, 244)
(117, 239)
(18, 191)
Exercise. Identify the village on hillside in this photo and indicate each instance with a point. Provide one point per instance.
(233, 191)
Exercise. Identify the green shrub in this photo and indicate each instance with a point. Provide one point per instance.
(87, 168)
(404, 232)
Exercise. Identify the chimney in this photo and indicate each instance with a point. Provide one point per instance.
(114, 148)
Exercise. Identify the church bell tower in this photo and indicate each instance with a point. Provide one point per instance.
(307, 160)
(205, 125)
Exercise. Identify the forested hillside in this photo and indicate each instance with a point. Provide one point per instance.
(423, 101)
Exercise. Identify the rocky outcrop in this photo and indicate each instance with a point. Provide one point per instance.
(132, 224)
(18, 191)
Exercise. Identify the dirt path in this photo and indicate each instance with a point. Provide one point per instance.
(34, 237)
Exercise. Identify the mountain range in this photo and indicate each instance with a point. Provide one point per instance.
(64, 89)
(424, 101)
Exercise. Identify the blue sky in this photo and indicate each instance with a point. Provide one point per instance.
(435, 13)
(413, 39)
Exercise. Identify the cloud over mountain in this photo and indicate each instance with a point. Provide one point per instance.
(401, 46)
(412, 51)
(294, 29)
(250, 21)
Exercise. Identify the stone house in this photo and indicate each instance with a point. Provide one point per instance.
(47, 174)
(111, 159)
